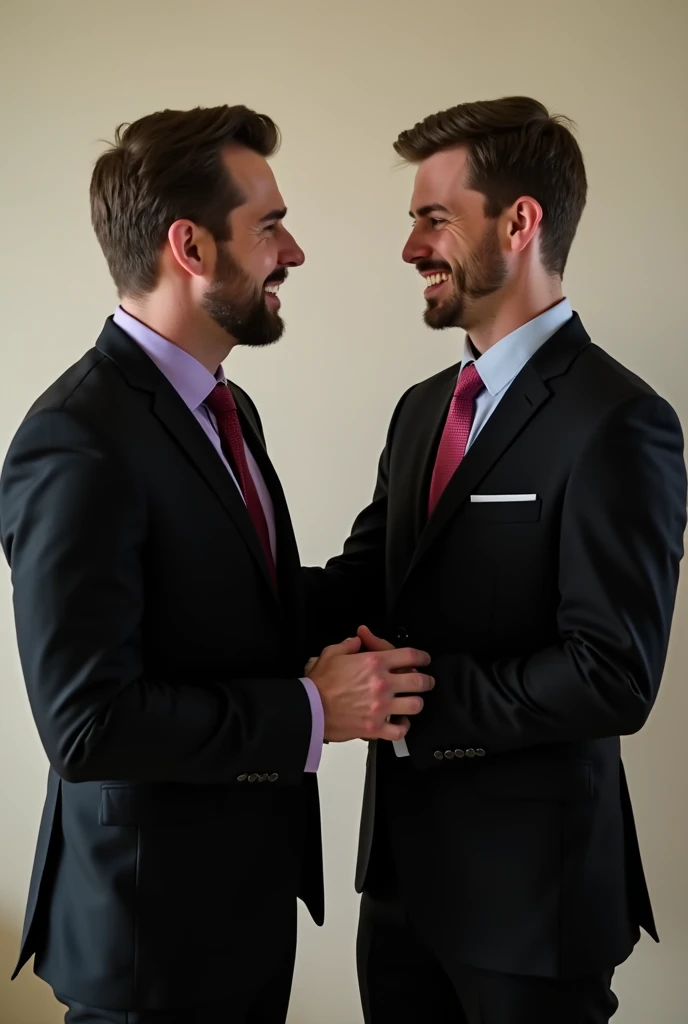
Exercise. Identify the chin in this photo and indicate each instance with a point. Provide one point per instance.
(438, 318)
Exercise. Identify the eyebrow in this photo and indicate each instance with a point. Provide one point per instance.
(425, 210)
(274, 215)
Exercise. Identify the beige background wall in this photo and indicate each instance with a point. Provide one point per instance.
(342, 79)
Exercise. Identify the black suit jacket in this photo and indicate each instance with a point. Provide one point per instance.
(162, 669)
(548, 621)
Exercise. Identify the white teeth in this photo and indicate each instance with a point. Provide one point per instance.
(434, 279)
(272, 289)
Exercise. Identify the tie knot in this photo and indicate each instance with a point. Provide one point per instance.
(469, 383)
(220, 400)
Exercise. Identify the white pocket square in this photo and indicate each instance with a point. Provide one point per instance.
(503, 497)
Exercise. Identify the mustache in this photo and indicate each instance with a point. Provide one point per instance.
(277, 276)
(425, 265)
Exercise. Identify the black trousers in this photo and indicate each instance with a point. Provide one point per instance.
(402, 982)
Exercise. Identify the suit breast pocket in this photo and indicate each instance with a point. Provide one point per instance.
(503, 511)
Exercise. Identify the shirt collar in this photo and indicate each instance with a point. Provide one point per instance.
(188, 377)
(505, 360)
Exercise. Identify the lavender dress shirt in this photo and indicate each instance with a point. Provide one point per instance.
(193, 383)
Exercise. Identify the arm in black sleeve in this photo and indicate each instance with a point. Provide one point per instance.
(73, 528)
(621, 543)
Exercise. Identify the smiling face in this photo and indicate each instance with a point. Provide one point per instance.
(454, 246)
(253, 264)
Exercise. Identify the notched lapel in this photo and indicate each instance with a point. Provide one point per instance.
(526, 395)
(182, 426)
(190, 436)
(524, 398)
(287, 552)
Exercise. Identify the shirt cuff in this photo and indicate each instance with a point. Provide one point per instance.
(317, 727)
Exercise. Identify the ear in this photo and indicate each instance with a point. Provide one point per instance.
(192, 247)
(522, 221)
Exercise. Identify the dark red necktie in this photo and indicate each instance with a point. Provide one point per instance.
(221, 403)
(457, 430)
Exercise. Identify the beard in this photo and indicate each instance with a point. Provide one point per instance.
(234, 303)
(482, 274)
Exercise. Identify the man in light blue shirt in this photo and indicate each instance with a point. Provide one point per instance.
(526, 530)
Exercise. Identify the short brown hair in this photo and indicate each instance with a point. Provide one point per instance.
(164, 167)
(515, 147)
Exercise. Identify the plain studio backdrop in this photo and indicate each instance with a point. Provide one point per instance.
(342, 79)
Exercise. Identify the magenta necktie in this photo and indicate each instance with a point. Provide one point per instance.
(221, 403)
(457, 430)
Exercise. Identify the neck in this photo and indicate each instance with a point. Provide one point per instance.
(183, 325)
(512, 307)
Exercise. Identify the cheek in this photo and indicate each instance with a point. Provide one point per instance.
(453, 245)
(264, 260)
(256, 258)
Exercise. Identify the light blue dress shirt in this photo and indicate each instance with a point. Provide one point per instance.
(501, 364)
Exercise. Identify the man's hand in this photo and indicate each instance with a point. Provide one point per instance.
(372, 642)
(368, 641)
(358, 691)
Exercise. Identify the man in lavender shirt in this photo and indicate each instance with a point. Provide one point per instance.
(157, 603)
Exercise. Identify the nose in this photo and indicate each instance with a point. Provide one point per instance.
(416, 248)
(291, 255)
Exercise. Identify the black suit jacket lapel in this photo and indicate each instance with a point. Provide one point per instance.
(412, 458)
(288, 562)
(142, 374)
(524, 398)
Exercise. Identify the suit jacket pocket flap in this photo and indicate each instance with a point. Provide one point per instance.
(542, 780)
(159, 804)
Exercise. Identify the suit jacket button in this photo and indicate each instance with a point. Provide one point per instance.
(439, 755)
(253, 777)
(402, 634)
(459, 753)
(479, 752)
(470, 752)
(273, 778)
(449, 755)
(242, 778)
(263, 778)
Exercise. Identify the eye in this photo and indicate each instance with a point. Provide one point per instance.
(435, 221)
(271, 228)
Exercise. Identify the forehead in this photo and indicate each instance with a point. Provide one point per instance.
(441, 179)
(253, 175)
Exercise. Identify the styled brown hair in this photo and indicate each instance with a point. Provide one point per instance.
(515, 147)
(164, 167)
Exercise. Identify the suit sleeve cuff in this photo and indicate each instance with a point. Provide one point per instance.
(317, 726)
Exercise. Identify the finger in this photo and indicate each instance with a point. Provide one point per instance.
(312, 662)
(351, 645)
(394, 730)
(403, 706)
(372, 642)
(404, 657)
(411, 682)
